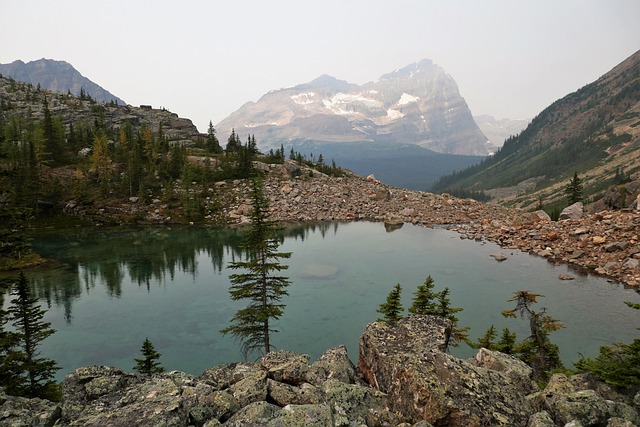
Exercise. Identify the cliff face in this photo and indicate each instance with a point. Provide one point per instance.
(419, 104)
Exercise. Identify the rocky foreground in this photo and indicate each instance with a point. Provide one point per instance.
(404, 378)
(605, 243)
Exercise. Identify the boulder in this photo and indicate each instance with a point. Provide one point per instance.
(333, 364)
(304, 415)
(408, 362)
(257, 414)
(541, 215)
(98, 396)
(284, 394)
(20, 411)
(286, 366)
(356, 405)
(583, 400)
(574, 211)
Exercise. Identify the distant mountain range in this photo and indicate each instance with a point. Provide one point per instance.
(594, 131)
(418, 104)
(58, 76)
(498, 130)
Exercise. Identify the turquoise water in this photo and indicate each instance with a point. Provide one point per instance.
(111, 288)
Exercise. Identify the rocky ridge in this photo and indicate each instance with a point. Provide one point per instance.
(27, 101)
(404, 378)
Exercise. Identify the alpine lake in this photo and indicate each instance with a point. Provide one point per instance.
(107, 289)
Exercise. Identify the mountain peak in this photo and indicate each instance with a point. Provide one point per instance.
(58, 76)
(325, 81)
(417, 104)
(424, 65)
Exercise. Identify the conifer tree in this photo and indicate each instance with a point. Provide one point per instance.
(149, 364)
(392, 309)
(507, 342)
(537, 350)
(8, 341)
(487, 340)
(424, 300)
(259, 283)
(445, 310)
(213, 144)
(574, 190)
(32, 375)
(233, 142)
(617, 364)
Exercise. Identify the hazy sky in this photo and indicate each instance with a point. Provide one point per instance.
(204, 59)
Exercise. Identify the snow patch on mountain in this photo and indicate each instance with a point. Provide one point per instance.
(407, 99)
(303, 98)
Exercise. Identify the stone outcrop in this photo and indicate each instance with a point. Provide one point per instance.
(73, 110)
(408, 361)
(404, 378)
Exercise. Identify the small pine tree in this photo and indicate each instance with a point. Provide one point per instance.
(487, 340)
(507, 342)
(213, 145)
(537, 350)
(31, 375)
(617, 364)
(445, 310)
(574, 190)
(392, 309)
(424, 300)
(148, 365)
(258, 284)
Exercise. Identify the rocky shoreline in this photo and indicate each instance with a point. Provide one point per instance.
(404, 377)
(605, 243)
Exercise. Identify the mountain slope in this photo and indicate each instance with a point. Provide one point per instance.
(596, 126)
(418, 104)
(58, 76)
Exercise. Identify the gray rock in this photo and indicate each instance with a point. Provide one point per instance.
(333, 364)
(574, 211)
(20, 411)
(542, 215)
(622, 411)
(356, 405)
(515, 369)
(541, 419)
(619, 422)
(631, 264)
(251, 388)
(304, 415)
(286, 366)
(284, 394)
(407, 362)
(584, 406)
(499, 256)
(257, 414)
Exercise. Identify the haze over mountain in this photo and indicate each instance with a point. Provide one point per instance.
(498, 130)
(58, 76)
(594, 131)
(419, 104)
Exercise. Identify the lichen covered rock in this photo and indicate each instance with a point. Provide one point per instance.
(407, 361)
